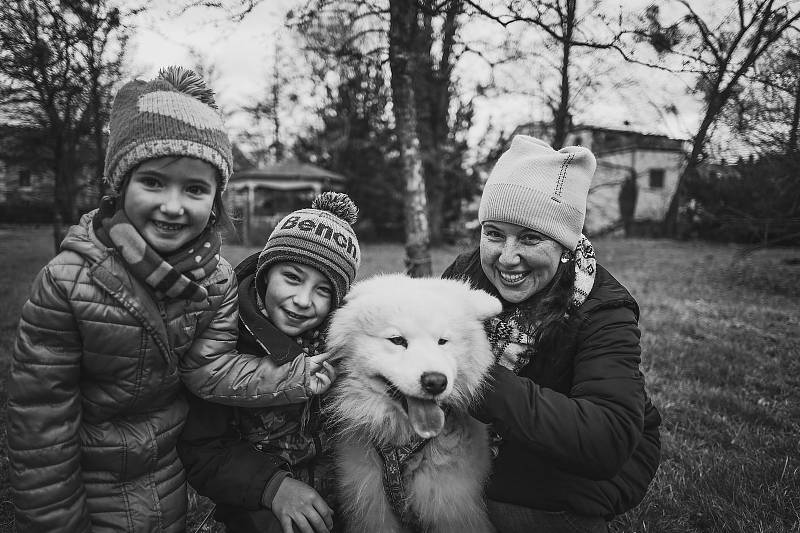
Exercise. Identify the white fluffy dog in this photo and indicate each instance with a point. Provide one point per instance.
(412, 355)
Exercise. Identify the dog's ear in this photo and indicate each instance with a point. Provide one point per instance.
(485, 305)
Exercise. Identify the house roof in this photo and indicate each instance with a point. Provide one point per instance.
(624, 131)
(291, 170)
(609, 139)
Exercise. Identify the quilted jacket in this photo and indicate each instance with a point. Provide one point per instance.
(579, 432)
(95, 397)
(238, 456)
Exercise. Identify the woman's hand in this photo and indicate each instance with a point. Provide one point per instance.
(322, 373)
(297, 503)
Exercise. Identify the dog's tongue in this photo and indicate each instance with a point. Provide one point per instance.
(426, 417)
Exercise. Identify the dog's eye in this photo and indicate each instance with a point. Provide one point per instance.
(400, 341)
(442, 341)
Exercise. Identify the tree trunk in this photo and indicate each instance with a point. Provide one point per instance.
(562, 116)
(627, 197)
(792, 147)
(432, 93)
(402, 26)
(670, 224)
(426, 101)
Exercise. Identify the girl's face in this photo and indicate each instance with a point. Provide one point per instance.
(518, 261)
(169, 200)
(298, 297)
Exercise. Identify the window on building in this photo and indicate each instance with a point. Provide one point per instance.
(24, 178)
(656, 178)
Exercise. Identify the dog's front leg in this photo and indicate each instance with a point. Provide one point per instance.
(360, 489)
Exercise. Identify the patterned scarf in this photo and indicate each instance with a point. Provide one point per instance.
(174, 276)
(512, 333)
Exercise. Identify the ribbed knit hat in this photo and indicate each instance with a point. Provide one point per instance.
(321, 237)
(536, 187)
(171, 115)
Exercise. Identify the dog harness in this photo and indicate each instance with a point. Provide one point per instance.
(394, 462)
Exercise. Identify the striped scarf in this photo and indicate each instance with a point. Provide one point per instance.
(174, 276)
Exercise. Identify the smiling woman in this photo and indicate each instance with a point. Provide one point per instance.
(576, 439)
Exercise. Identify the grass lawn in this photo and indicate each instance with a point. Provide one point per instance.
(721, 352)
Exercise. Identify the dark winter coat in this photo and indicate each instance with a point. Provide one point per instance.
(95, 402)
(579, 431)
(225, 450)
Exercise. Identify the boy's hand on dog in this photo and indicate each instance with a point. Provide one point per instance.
(322, 373)
(297, 503)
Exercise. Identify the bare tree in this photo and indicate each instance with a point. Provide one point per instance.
(420, 40)
(722, 52)
(58, 60)
(271, 109)
(565, 23)
(766, 110)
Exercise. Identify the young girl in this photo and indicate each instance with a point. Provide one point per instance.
(266, 469)
(137, 301)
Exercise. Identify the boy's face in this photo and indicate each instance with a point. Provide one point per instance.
(298, 297)
(169, 200)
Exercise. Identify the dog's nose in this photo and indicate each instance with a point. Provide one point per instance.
(433, 382)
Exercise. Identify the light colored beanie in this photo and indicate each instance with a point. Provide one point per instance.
(321, 237)
(171, 115)
(536, 187)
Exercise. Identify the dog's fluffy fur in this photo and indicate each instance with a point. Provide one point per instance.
(409, 351)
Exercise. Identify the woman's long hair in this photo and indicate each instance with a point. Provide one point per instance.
(551, 309)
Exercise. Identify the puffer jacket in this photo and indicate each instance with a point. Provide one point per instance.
(578, 430)
(95, 402)
(239, 456)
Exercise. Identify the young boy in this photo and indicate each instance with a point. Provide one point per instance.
(265, 467)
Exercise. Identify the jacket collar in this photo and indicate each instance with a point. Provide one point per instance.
(280, 347)
(107, 272)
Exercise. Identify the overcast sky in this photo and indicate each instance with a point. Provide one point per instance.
(242, 54)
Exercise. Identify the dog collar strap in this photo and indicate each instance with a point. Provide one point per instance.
(394, 461)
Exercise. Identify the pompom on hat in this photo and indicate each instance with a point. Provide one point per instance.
(534, 186)
(171, 115)
(321, 237)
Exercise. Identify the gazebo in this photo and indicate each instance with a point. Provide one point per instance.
(262, 196)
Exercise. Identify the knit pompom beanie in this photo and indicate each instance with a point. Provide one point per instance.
(321, 237)
(172, 115)
(534, 186)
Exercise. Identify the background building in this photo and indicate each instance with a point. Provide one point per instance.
(645, 165)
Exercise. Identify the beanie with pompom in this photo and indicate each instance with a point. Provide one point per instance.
(173, 115)
(321, 237)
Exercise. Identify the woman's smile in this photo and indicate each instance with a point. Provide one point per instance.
(512, 278)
